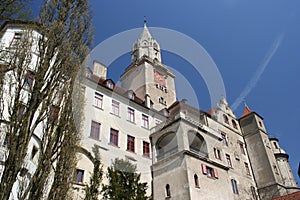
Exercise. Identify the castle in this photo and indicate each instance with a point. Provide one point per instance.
(181, 152)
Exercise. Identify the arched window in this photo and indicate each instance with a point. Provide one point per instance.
(166, 145)
(197, 143)
(168, 192)
(234, 124)
(225, 118)
(196, 181)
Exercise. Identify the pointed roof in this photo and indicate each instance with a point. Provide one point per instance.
(247, 111)
(145, 34)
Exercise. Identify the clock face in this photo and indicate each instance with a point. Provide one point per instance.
(159, 78)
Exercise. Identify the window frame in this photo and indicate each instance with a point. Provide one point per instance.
(54, 114)
(79, 178)
(225, 119)
(196, 181)
(114, 137)
(146, 149)
(209, 171)
(224, 139)
(130, 143)
(217, 153)
(94, 134)
(168, 191)
(115, 107)
(130, 115)
(234, 186)
(247, 168)
(228, 160)
(145, 121)
(29, 80)
(242, 148)
(234, 124)
(98, 100)
(15, 40)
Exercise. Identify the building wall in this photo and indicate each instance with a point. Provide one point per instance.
(107, 151)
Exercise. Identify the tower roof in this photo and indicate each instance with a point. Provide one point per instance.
(247, 111)
(145, 35)
(146, 45)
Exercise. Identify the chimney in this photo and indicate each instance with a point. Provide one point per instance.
(99, 69)
(148, 102)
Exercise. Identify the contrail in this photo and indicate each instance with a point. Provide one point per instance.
(252, 83)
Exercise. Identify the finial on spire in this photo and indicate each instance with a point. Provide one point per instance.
(244, 101)
(145, 21)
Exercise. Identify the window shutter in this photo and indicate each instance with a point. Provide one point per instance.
(204, 170)
(216, 173)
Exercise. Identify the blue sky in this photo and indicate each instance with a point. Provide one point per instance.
(255, 45)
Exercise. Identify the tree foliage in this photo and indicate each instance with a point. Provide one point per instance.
(124, 182)
(14, 9)
(93, 191)
(44, 110)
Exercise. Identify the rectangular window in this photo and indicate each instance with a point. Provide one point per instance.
(145, 121)
(21, 111)
(16, 40)
(146, 149)
(6, 142)
(54, 112)
(130, 143)
(247, 168)
(114, 136)
(29, 80)
(228, 160)
(115, 106)
(130, 115)
(95, 130)
(234, 186)
(79, 176)
(209, 171)
(98, 100)
(224, 139)
(217, 153)
(242, 148)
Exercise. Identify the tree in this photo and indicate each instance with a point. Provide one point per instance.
(92, 191)
(14, 9)
(43, 107)
(124, 182)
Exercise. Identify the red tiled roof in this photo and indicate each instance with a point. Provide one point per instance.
(212, 111)
(292, 196)
(247, 111)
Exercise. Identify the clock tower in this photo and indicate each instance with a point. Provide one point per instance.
(146, 75)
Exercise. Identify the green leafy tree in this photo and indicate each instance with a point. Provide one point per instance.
(124, 182)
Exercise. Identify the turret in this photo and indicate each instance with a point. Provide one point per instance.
(282, 159)
(147, 76)
(267, 173)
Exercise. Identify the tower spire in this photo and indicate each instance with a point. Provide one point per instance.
(146, 45)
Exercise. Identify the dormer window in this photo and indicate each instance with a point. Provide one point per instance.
(110, 85)
(131, 95)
